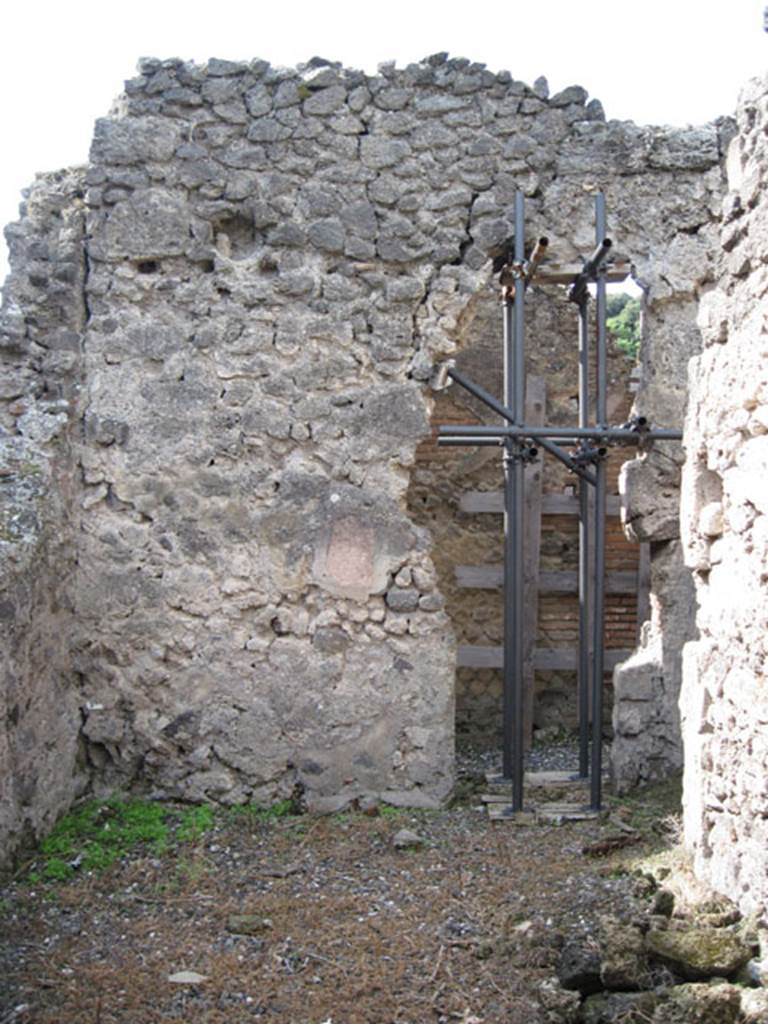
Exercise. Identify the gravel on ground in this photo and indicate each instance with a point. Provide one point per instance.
(318, 920)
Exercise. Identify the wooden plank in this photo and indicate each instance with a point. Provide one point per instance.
(489, 577)
(561, 505)
(551, 504)
(500, 812)
(545, 659)
(589, 681)
(482, 501)
(478, 656)
(559, 273)
(555, 778)
(535, 408)
(556, 659)
(541, 780)
(480, 577)
(551, 814)
(557, 813)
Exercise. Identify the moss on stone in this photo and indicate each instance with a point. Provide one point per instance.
(698, 953)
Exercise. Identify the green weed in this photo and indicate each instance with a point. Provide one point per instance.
(258, 812)
(390, 811)
(195, 822)
(189, 872)
(95, 835)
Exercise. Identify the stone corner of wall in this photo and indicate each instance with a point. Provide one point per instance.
(723, 703)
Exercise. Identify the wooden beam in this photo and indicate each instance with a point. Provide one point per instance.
(556, 659)
(535, 408)
(489, 577)
(558, 273)
(545, 659)
(479, 577)
(551, 504)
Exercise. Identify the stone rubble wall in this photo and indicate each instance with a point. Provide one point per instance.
(41, 326)
(724, 701)
(646, 688)
(274, 260)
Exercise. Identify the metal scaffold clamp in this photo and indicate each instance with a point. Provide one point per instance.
(513, 272)
(594, 268)
(519, 450)
(587, 454)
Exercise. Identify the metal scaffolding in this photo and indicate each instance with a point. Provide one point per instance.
(520, 444)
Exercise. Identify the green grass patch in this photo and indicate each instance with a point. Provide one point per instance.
(390, 811)
(195, 822)
(655, 812)
(258, 812)
(649, 807)
(98, 833)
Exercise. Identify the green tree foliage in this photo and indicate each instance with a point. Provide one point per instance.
(624, 322)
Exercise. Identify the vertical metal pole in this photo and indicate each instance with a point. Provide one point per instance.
(514, 398)
(513, 621)
(583, 669)
(510, 545)
(602, 351)
(600, 494)
(519, 469)
(518, 404)
(519, 710)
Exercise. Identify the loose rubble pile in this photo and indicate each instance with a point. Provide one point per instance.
(664, 969)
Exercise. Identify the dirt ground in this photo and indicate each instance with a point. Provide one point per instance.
(305, 920)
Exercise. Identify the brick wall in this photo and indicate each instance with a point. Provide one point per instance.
(441, 476)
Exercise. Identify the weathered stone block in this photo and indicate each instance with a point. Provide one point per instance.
(134, 141)
(699, 1004)
(698, 953)
(325, 101)
(152, 223)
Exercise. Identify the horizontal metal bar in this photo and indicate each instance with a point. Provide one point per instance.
(563, 433)
(456, 442)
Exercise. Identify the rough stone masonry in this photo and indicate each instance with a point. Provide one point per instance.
(217, 340)
(725, 519)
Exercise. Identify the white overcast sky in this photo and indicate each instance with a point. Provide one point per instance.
(651, 61)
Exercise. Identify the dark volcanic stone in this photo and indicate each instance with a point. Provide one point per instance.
(579, 967)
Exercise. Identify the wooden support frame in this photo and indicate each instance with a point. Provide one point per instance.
(535, 406)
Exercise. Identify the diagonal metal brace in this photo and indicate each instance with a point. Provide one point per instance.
(498, 407)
